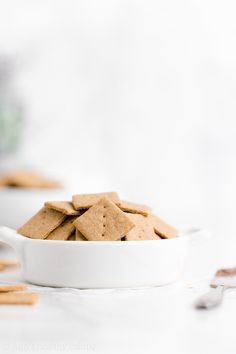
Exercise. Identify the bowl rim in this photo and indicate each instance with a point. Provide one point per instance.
(182, 236)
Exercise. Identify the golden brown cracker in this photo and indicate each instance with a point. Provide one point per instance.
(13, 298)
(63, 231)
(85, 201)
(134, 208)
(12, 287)
(29, 179)
(104, 222)
(143, 229)
(79, 236)
(161, 228)
(3, 182)
(42, 223)
(71, 237)
(8, 263)
(64, 207)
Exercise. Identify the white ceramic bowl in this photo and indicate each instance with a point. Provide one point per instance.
(100, 264)
(17, 205)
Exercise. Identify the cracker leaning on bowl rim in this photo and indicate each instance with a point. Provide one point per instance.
(85, 201)
(42, 223)
(143, 229)
(161, 228)
(63, 231)
(104, 222)
(79, 236)
(71, 237)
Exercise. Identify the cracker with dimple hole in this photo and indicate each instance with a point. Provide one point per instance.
(104, 222)
(63, 231)
(161, 228)
(64, 207)
(4, 288)
(134, 208)
(42, 223)
(85, 201)
(79, 236)
(143, 229)
(18, 298)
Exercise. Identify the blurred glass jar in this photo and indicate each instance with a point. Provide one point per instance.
(11, 109)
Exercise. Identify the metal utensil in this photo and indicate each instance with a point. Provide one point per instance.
(223, 280)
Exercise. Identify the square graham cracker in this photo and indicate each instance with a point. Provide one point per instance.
(104, 222)
(143, 229)
(134, 208)
(42, 223)
(161, 228)
(63, 231)
(85, 201)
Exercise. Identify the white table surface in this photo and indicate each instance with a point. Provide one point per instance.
(152, 320)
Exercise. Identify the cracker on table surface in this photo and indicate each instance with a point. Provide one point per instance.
(42, 223)
(143, 229)
(161, 228)
(12, 287)
(63, 231)
(103, 222)
(13, 298)
(64, 207)
(134, 208)
(85, 201)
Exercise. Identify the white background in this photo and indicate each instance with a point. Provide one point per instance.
(132, 96)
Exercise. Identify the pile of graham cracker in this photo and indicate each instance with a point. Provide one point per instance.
(96, 217)
(27, 179)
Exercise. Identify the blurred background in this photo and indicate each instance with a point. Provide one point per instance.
(132, 96)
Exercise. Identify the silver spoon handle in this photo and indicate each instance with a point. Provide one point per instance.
(211, 299)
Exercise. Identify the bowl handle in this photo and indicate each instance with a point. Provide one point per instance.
(12, 238)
